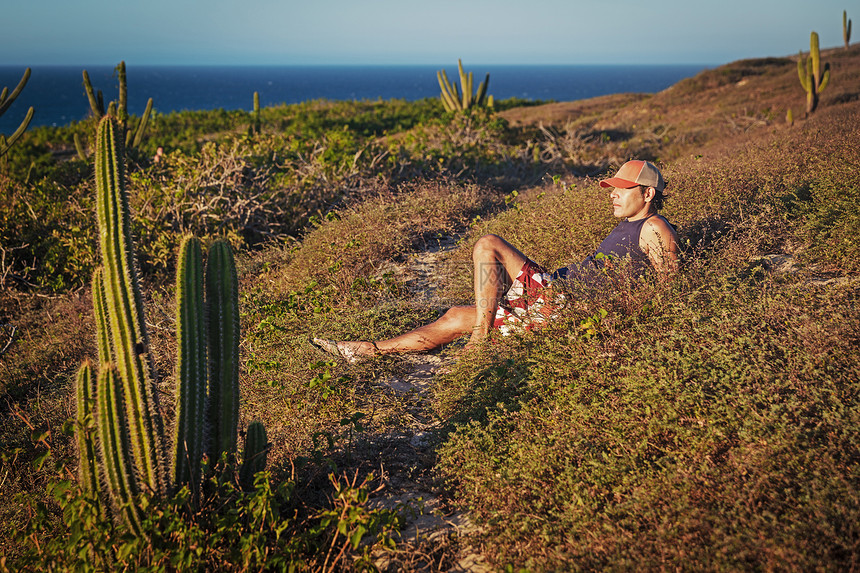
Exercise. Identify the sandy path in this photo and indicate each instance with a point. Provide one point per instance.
(434, 538)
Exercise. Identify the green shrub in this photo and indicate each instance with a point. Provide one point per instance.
(712, 429)
(262, 529)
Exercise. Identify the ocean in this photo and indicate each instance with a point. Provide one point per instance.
(58, 96)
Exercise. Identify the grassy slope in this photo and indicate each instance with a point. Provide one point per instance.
(712, 422)
(731, 442)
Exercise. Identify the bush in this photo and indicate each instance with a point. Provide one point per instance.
(265, 529)
(711, 430)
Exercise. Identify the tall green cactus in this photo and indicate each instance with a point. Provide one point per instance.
(119, 108)
(124, 308)
(132, 457)
(812, 77)
(222, 287)
(846, 29)
(456, 99)
(190, 367)
(6, 100)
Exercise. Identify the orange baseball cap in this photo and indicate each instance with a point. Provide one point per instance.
(635, 173)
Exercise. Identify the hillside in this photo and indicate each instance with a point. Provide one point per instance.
(707, 422)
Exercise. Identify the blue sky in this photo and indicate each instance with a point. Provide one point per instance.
(267, 32)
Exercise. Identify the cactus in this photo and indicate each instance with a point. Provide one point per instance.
(80, 147)
(812, 77)
(190, 366)
(254, 454)
(124, 308)
(134, 137)
(115, 448)
(129, 432)
(456, 99)
(846, 29)
(119, 109)
(255, 127)
(6, 100)
(88, 473)
(223, 320)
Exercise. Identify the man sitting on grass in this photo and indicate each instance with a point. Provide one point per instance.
(512, 291)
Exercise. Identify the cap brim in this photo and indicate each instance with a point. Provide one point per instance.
(620, 183)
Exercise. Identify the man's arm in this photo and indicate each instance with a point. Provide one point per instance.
(660, 242)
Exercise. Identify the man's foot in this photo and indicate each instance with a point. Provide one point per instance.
(351, 351)
(475, 342)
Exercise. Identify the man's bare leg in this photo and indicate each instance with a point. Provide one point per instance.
(496, 263)
(456, 322)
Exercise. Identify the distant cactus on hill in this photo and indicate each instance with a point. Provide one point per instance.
(812, 77)
(256, 126)
(119, 109)
(6, 100)
(461, 98)
(846, 28)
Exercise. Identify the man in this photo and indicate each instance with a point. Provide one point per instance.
(513, 291)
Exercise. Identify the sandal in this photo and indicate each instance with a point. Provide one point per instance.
(333, 348)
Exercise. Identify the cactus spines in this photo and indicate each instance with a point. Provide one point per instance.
(190, 367)
(124, 306)
(103, 336)
(114, 448)
(813, 78)
(462, 97)
(846, 28)
(254, 454)
(222, 308)
(6, 100)
(85, 391)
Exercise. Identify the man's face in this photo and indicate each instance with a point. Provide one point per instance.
(629, 203)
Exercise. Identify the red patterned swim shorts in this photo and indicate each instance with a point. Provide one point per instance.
(524, 306)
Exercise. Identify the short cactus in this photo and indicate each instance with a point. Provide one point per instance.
(115, 447)
(456, 99)
(222, 286)
(254, 455)
(190, 366)
(6, 100)
(812, 77)
(88, 473)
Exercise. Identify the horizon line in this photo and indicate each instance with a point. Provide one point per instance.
(359, 65)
